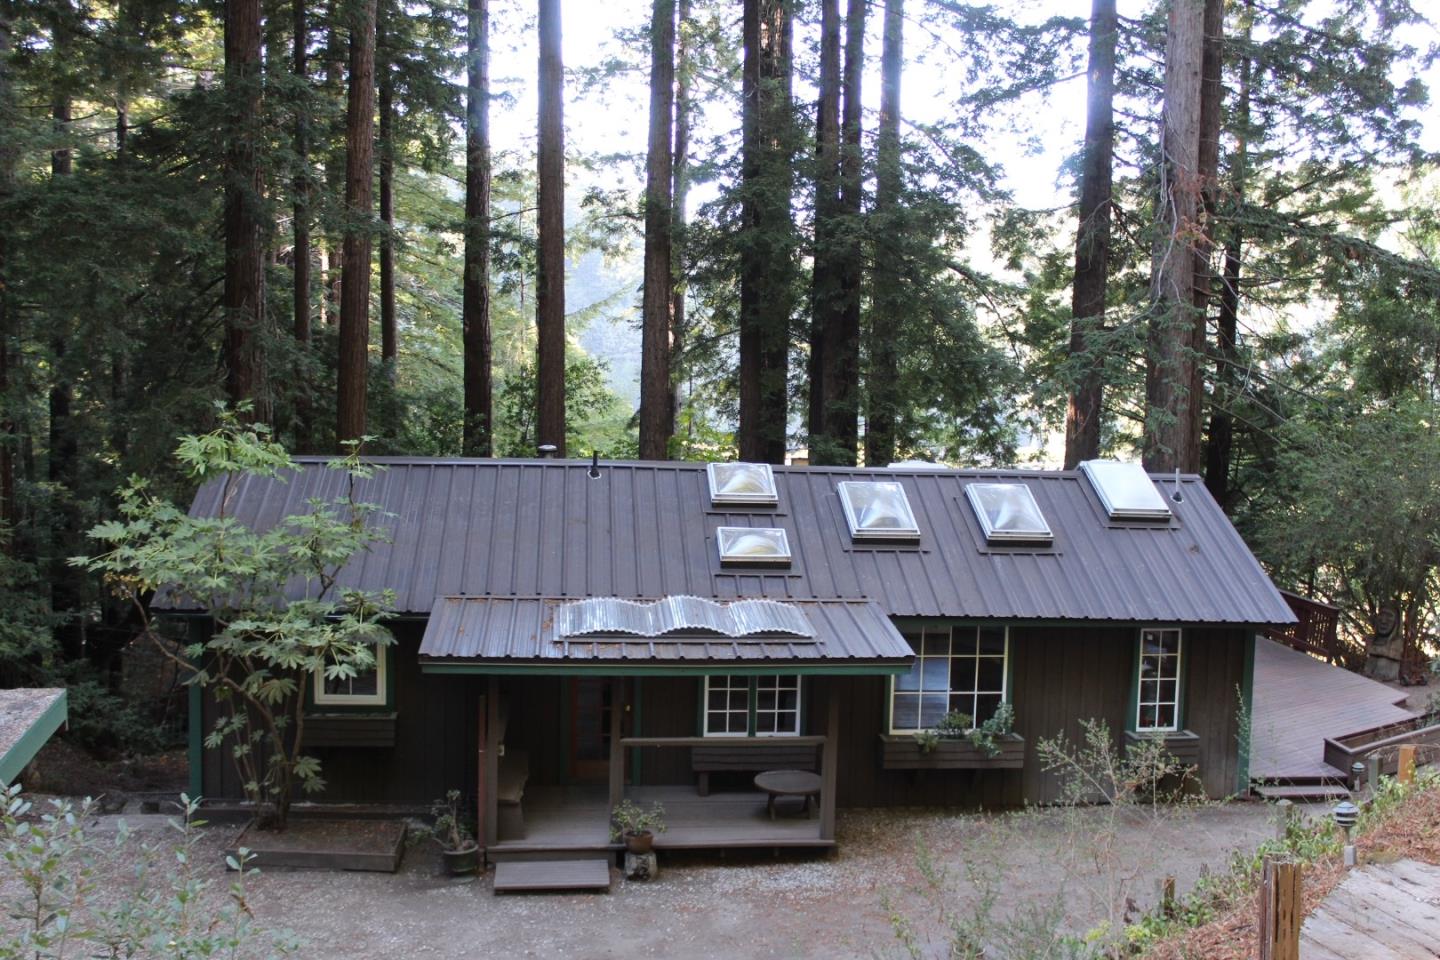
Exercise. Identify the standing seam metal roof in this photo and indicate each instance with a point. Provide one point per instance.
(544, 529)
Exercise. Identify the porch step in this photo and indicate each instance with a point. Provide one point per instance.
(515, 876)
(1303, 792)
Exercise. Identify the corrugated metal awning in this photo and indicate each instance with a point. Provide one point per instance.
(508, 635)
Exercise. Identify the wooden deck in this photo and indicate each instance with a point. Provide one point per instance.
(528, 877)
(1299, 701)
(578, 819)
(1380, 912)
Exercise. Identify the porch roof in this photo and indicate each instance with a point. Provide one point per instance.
(505, 634)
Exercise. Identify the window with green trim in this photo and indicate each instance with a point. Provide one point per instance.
(962, 668)
(765, 706)
(1157, 707)
(365, 689)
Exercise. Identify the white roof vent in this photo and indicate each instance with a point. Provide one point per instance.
(767, 545)
(877, 510)
(1126, 490)
(1008, 513)
(741, 483)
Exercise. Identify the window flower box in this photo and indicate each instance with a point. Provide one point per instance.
(902, 752)
(1183, 745)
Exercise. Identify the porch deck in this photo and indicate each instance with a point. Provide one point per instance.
(577, 818)
(1299, 701)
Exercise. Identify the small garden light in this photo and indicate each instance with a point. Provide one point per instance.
(1345, 814)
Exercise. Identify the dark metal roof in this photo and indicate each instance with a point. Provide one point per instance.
(500, 630)
(544, 529)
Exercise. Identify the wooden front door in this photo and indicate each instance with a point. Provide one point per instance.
(591, 700)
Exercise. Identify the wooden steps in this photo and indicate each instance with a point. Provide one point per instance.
(522, 876)
(1315, 792)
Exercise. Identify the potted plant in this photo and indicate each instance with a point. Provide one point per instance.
(457, 847)
(636, 826)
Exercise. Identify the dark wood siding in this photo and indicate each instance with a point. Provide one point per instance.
(1058, 676)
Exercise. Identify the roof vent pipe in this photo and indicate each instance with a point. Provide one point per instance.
(1177, 496)
(594, 472)
(546, 451)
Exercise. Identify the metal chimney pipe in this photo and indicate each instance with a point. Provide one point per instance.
(546, 451)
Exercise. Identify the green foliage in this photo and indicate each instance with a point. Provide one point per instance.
(71, 893)
(630, 819)
(449, 828)
(278, 615)
(961, 726)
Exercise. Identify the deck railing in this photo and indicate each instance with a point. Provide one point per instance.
(1315, 631)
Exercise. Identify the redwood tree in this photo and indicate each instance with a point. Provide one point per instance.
(244, 297)
(882, 409)
(475, 310)
(767, 244)
(301, 212)
(1092, 243)
(1170, 442)
(680, 177)
(355, 255)
(389, 334)
(656, 417)
(825, 303)
(550, 256)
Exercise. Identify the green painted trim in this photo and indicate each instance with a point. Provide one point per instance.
(750, 696)
(1182, 711)
(700, 705)
(1247, 700)
(1132, 712)
(14, 760)
(658, 670)
(902, 622)
(195, 746)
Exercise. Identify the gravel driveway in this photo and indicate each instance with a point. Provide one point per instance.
(751, 906)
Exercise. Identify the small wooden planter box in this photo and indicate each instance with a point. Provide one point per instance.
(1342, 752)
(328, 844)
(1183, 745)
(901, 752)
(350, 730)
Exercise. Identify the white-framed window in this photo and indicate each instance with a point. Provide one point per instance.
(365, 689)
(1157, 706)
(728, 699)
(962, 668)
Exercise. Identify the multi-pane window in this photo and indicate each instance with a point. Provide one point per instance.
(729, 700)
(960, 668)
(365, 689)
(1158, 706)
(777, 706)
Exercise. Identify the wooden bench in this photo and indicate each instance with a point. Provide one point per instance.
(514, 772)
(775, 755)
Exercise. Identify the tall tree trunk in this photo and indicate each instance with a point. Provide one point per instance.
(355, 266)
(389, 334)
(337, 60)
(475, 311)
(767, 254)
(244, 253)
(550, 257)
(8, 333)
(1170, 357)
(655, 414)
(1092, 243)
(882, 412)
(680, 174)
(842, 391)
(304, 411)
(1222, 425)
(825, 302)
(1208, 160)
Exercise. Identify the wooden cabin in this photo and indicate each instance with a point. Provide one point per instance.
(568, 635)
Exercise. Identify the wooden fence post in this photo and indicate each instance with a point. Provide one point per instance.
(1280, 900)
(1407, 763)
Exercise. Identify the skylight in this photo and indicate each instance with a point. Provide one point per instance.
(739, 483)
(877, 510)
(1126, 490)
(1008, 513)
(767, 545)
(679, 615)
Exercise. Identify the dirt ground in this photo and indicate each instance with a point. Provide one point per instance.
(752, 906)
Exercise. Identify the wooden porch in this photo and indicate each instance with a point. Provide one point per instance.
(575, 818)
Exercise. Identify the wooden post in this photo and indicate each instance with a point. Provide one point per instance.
(829, 761)
(1280, 911)
(617, 752)
(1407, 763)
(492, 761)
